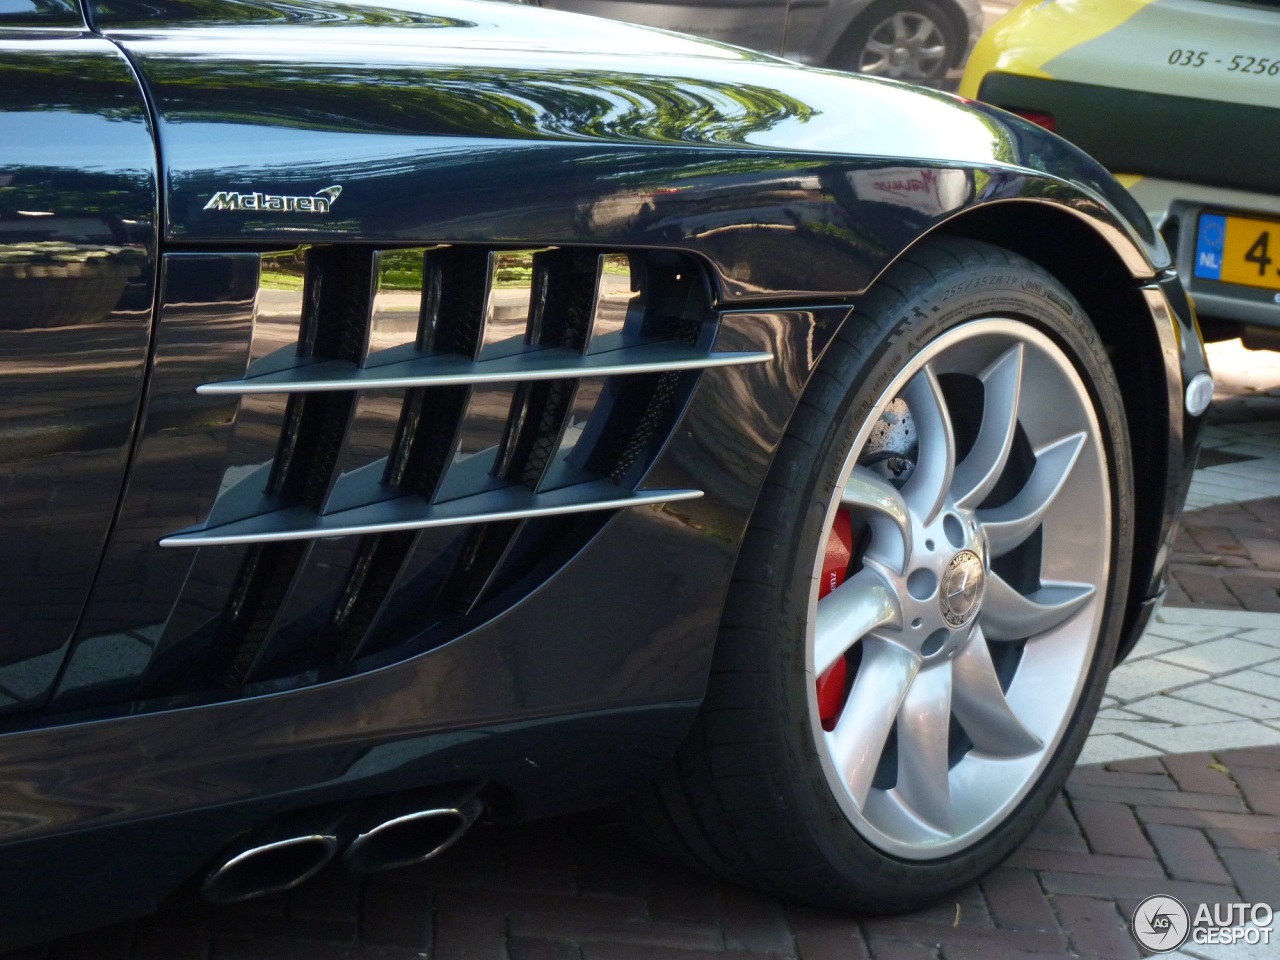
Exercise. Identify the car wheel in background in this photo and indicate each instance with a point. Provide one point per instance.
(910, 40)
(927, 601)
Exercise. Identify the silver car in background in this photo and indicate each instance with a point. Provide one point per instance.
(915, 40)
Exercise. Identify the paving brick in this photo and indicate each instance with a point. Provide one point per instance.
(1181, 711)
(968, 951)
(1223, 838)
(1219, 656)
(682, 896)
(1199, 773)
(524, 948)
(333, 895)
(395, 916)
(1129, 681)
(1186, 853)
(553, 926)
(1210, 818)
(1130, 890)
(513, 902)
(1200, 588)
(753, 922)
(1143, 765)
(968, 908)
(1158, 798)
(1016, 901)
(826, 935)
(1266, 758)
(1111, 828)
(169, 943)
(1261, 788)
(897, 950)
(1096, 928)
(1087, 863)
(878, 930)
(1101, 777)
(1107, 748)
(1256, 874)
(1231, 700)
(641, 951)
(465, 933)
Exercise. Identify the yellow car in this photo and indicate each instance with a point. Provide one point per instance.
(1181, 100)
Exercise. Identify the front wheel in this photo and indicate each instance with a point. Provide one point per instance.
(928, 598)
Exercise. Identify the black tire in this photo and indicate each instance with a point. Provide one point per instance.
(747, 797)
(852, 52)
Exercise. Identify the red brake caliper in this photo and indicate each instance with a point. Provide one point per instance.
(834, 567)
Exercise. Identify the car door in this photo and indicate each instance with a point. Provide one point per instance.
(78, 213)
(758, 24)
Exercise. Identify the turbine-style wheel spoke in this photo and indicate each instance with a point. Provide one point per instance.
(858, 741)
(1009, 525)
(926, 492)
(1009, 615)
(882, 506)
(980, 705)
(924, 725)
(977, 474)
(859, 605)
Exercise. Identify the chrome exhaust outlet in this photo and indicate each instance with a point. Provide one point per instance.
(411, 837)
(264, 868)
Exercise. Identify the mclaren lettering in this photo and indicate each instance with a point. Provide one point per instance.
(320, 202)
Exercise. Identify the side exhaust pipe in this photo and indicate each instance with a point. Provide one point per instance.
(270, 863)
(411, 836)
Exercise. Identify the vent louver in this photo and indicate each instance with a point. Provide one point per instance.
(591, 374)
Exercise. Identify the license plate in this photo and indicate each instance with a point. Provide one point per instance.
(1238, 250)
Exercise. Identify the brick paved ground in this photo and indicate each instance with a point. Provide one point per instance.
(1228, 553)
(1204, 827)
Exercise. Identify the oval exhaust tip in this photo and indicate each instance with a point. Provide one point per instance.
(270, 868)
(410, 838)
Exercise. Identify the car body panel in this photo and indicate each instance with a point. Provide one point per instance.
(311, 118)
(1149, 66)
(753, 172)
(78, 214)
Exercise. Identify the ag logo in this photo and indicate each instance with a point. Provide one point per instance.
(1161, 924)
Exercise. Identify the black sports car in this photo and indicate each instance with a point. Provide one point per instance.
(429, 409)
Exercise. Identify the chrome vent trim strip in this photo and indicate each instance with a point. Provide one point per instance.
(515, 502)
(445, 370)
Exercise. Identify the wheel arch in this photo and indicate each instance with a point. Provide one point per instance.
(1078, 255)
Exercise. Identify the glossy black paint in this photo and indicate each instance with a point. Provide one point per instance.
(78, 213)
(444, 131)
(460, 122)
(383, 730)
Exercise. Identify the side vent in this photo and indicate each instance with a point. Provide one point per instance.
(534, 392)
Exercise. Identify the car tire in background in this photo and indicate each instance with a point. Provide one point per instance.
(913, 40)
(927, 602)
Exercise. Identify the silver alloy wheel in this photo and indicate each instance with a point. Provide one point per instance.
(906, 45)
(938, 641)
